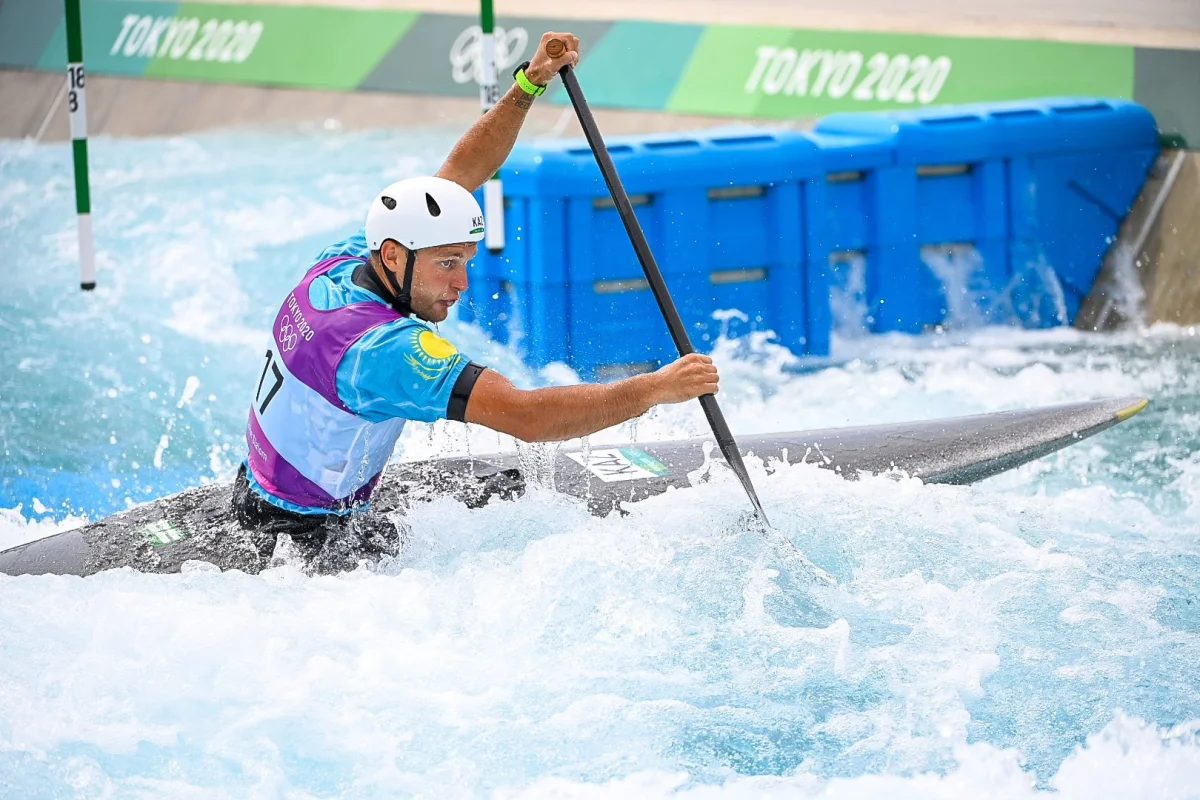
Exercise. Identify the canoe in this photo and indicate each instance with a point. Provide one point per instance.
(198, 524)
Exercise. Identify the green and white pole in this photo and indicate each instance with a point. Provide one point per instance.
(77, 108)
(489, 95)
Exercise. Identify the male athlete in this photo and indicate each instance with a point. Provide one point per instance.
(353, 355)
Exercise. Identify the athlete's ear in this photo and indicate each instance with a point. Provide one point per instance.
(394, 255)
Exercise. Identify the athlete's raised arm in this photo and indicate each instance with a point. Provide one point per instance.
(483, 148)
(565, 412)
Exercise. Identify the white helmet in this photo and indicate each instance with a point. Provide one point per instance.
(424, 212)
(419, 213)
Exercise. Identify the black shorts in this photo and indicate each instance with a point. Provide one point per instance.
(327, 543)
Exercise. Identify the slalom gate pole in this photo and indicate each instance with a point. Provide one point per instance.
(489, 95)
(77, 108)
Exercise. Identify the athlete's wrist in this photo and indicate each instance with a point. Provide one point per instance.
(537, 77)
(532, 85)
(647, 389)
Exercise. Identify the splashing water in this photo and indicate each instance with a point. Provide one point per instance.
(1035, 633)
(848, 294)
(1032, 296)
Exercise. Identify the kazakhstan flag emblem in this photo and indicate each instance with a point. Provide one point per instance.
(430, 354)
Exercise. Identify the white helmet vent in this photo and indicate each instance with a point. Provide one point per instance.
(423, 212)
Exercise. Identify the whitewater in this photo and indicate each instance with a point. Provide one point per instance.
(1035, 635)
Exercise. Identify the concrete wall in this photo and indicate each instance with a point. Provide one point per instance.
(1172, 253)
(33, 107)
(1153, 273)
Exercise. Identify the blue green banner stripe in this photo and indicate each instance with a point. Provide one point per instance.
(733, 70)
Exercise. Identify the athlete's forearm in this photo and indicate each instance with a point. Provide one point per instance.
(559, 412)
(483, 148)
(568, 412)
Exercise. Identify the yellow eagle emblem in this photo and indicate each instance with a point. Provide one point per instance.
(429, 354)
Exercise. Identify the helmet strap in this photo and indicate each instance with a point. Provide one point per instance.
(405, 295)
(401, 300)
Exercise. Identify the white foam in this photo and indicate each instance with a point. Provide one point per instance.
(17, 529)
(973, 641)
(1127, 759)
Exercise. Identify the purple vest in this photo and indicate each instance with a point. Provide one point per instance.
(305, 446)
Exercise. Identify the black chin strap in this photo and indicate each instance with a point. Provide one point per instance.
(405, 295)
(398, 297)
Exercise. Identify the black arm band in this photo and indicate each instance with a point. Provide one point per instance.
(456, 409)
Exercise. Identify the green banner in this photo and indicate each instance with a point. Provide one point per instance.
(616, 72)
(119, 36)
(734, 70)
(26, 29)
(441, 52)
(776, 72)
(294, 46)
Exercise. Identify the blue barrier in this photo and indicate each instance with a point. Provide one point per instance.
(722, 211)
(844, 227)
(1029, 184)
(984, 213)
(1075, 174)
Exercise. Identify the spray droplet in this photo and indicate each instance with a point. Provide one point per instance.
(163, 444)
(189, 391)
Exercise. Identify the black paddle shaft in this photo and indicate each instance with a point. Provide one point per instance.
(716, 420)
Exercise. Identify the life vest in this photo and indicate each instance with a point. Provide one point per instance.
(305, 445)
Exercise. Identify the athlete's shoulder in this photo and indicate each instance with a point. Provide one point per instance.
(354, 245)
(426, 348)
(401, 368)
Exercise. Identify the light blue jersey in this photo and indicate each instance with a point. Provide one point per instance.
(400, 369)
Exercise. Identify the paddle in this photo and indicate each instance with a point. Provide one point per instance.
(716, 420)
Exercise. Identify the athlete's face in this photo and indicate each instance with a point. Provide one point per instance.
(439, 277)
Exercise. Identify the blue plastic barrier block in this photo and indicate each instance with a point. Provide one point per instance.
(851, 315)
(596, 244)
(1058, 175)
(756, 267)
(846, 197)
(534, 319)
(535, 231)
(972, 281)
(946, 184)
(983, 213)
(1072, 125)
(842, 217)
(724, 212)
(616, 325)
(1072, 207)
(966, 284)
(483, 305)
(1076, 167)
(963, 283)
(799, 297)
(739, 301)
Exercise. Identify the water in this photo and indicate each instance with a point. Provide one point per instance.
(1036, 633)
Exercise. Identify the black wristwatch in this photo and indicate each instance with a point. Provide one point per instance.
(527, 86)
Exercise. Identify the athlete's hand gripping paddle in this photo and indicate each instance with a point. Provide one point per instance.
(716, 420)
